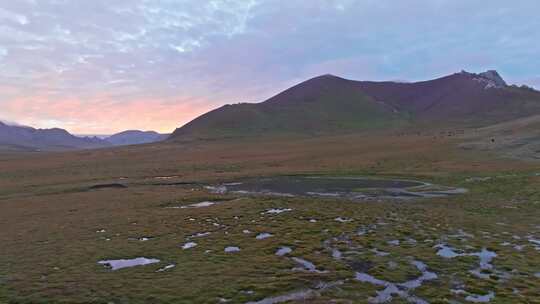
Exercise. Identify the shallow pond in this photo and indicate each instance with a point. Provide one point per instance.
(401, 290)
(125, 263)
(339, 187)
(262, 236)
(189, 245)
(283, 251)
(231, 249)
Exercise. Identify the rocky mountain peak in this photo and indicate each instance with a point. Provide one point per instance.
(495, 77)
(490, 79)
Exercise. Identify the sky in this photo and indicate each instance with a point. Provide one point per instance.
(102, 66)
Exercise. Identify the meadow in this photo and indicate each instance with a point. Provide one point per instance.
(56, 225)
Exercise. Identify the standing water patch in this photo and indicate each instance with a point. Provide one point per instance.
(126, 263)
(338, 187)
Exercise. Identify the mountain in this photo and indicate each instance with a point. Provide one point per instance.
(319, 105)
(329, 104)
(463, 98)
(15, 137)
(22, 138)
(134, 137)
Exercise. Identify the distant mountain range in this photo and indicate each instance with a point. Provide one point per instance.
(329, 104)
(325, 105)
(135, 137)
(15, 137)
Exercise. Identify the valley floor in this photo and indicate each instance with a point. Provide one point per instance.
(151, 201)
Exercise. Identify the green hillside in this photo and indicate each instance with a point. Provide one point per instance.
(322, 105)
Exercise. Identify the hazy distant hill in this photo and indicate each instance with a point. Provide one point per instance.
(134, 137)
(330, 104)
(15, 137)
(22, 138)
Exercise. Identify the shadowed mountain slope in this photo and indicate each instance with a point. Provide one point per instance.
(467, 98)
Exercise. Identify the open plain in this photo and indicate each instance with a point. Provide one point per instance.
(64, 213)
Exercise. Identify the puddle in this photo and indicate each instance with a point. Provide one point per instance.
(394, 242)
(336, 187)
(217, 189)
(189, 245)
(300, 295)
(171, 266)
(323, 194)
(231, 249)
(196, 205)
(119, 264)
(306, 266)
(366, 229)
(343, 220)
(411, 241)
(200, 234)
(336, 254)
(401, 290)
(141, 239)
(519, 247)
(447, 252)
(461, 235)
(377, 252)
(166, 177)
(277, 211)
(480, 298)
(485, 257)
(536, 243)
(262, 236)
(283, 251)
(478, 179)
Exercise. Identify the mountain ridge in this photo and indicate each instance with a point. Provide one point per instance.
(332, 104)
(16, 137)
(54, 139)
(134, 137)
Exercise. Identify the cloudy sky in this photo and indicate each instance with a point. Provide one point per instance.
(101, 66)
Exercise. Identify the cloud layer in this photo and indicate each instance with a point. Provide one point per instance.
(104, 66)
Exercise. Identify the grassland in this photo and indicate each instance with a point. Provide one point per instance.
(54, 230)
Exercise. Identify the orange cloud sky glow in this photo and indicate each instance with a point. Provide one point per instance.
(102, 115)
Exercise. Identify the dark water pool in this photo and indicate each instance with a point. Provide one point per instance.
(339, 187)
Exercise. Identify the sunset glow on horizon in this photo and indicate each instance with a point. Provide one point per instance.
(100, 67)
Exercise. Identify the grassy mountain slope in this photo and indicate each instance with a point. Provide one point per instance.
(325, 104)
(333, 105)
(519, 138)
(462, 98)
